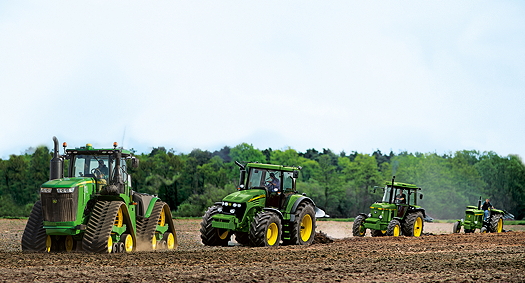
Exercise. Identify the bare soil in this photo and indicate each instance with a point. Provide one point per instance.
(437, 256)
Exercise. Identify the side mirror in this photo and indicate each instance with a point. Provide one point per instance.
(296, 174)
(421, 196)
(375, 188)
(134, 162)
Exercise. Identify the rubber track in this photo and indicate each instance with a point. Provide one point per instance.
(146, 227)
(34, 237)
(99, 226)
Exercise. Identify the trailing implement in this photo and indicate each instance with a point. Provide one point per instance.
(93, 208)
(264, 211)
(474, 219)
(395, 215)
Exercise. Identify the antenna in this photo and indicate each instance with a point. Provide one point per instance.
(123, 136)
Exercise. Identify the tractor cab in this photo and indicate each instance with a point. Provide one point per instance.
(106, 166)
(402, 195)
(276, 183)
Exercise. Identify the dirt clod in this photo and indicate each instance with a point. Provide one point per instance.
(322, 238)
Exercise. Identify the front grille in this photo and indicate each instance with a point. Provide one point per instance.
(59, 207)
(239, 211)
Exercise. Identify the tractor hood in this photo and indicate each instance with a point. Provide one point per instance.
(382, 206)
(70, 182)
(245, 196)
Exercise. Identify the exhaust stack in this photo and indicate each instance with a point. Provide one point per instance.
(56, 167)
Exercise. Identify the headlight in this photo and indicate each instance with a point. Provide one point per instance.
(380, 216)
(219, 209)
(369, 214)
(66, 190)
(232, 210)
(45, 190)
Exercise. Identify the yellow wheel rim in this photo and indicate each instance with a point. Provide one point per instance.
(154, 242)
(222, 235)
(362, 230)
(110, 244)
(119, 220)
(500, 225)
(306, 228)
(48, 243)
(397, 231)
(170, 241)
(128, 243)
(162, 218)
(418, 227)
(69, 243)
(271, 234)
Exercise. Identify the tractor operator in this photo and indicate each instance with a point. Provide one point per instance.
(274, 184)
(401, 197)
(102, 168)
(486, 206)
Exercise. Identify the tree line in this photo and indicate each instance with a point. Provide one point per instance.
(342, 184)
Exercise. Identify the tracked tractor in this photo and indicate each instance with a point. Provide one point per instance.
(474, 220)
(93, 207)
(396, 214)
(266, 210)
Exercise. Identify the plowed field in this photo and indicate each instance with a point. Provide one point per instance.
(435, 257)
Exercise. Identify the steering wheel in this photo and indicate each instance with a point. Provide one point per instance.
(97, 173)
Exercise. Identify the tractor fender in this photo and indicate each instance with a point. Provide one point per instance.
(422, 210)
(363, 214)
(145, 203)
(297, 203)
(275, 210)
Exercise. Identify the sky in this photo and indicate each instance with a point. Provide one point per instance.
(416, 76)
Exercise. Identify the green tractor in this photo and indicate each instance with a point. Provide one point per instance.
(474, 220)
(397, 214)
(94, 209)
(265, 210)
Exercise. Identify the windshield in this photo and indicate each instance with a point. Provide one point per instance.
(92, 166)
(399, 196)
(269, 179)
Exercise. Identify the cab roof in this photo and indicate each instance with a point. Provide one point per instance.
(402, 185)
(89, 150)
(272, 167)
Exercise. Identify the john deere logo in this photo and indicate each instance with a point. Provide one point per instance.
(55, 201)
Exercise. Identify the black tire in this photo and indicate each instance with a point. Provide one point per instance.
(496, 223)
(265, 230)
(100, 224)
(483, 230)
(211, 236)
(34, 236)
(302, 230)
(457, 227)
(358, 229)
(414, 224)
(376, 233)
(394, 228)
(242, 238)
